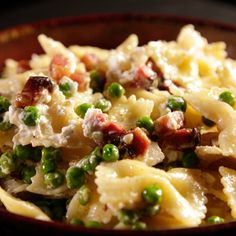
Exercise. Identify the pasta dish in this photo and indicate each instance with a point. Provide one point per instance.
(136, 137)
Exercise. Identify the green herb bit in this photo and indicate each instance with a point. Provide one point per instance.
(75, 221)
(190, 159)
(30, 115)
(139, 225)
(146, 122)
(93, 224)
(84, 195)
(7, 164)
(82, 109)
(152, 195)
(97, 81)
(103, 104)
(5, 125)
(115, 90)
(65, 89)
(227, 97)
(27, 173)
(4, 104)
(215, 220)
(54, 179)
(176, 103)
(75, 177)
(110, 153)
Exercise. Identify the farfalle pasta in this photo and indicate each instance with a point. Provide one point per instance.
(136, 137)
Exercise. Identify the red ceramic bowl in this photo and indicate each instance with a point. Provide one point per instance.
(103, 31)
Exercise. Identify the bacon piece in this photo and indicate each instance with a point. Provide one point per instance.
(169, 122)
(90, 61)
(208, 139)
(82, 79)
(59, 67)
(23, 65)
(112, 133)
(32, 91)
(140, 142)
(143, 77)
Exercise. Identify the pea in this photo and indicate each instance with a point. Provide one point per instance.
(176, 103)
(54, 179)
(75, 177)
(215, 220)
(84, 195)
(152, 210)
(5, 125)
(208, 122)
(110, 153)
(139, 226)
(4, 104)
(27, 173)
(190, 159)
(82, 109)
(75, 221)
(65, 89)
(103, 104)
(152, 195)
(23, 152)
(227, 97)
(7, 163)
(146, 122)
(93, 224)
(97, 81)
(115, 90)
(49, 159)
(30, 115)
(128, 217)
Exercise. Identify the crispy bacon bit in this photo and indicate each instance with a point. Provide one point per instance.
(140, 142)
(82, 80)
(143, 77)
(90, 61)
(59, 67)
(23, 65)
(169, 122)
(112, 133)
(32, 91)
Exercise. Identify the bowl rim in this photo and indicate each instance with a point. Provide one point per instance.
(8, 34)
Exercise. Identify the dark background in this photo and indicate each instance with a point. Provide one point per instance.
(23, 11)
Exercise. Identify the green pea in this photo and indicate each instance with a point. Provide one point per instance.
(5, 125)
(152, 210)
(75, 221)
(103, 104)
(115, 90)
(75, 177)
(208, 122)
(227, 97)
(215, 220)
(23, 152)
(190, 159)
(27, 173)
(128, 217)
(176, 103)
(7, 164)
(49, 159)
(65, 89)
(139, 226)
(4, 104)
(30, 115)
(146, 122)
(93, 224)
(84, 195)
(82, 109)
(152, 195)
(54, 179)
(110, 153)
(97, 81)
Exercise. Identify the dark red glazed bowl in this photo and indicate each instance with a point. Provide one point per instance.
(103, 31)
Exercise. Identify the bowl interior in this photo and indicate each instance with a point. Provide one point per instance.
(106, 32)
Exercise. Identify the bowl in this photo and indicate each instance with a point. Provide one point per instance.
(105, 31)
